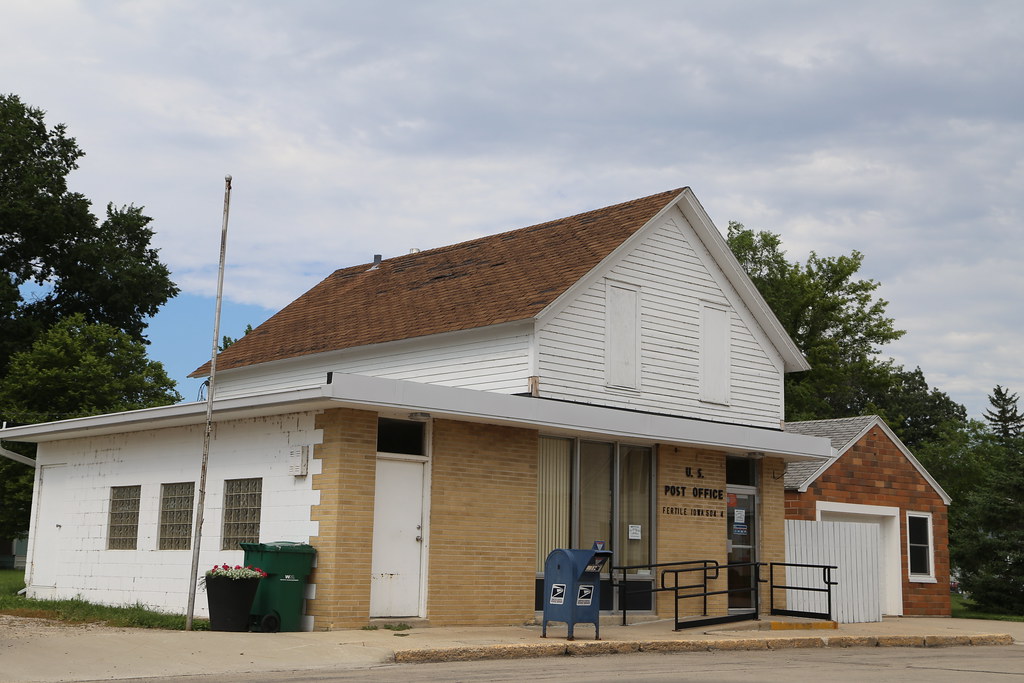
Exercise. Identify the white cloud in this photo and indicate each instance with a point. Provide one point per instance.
(358, 128)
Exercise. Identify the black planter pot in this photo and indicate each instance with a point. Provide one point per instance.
(230, 602)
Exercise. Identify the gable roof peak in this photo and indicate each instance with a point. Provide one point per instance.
(501, 278)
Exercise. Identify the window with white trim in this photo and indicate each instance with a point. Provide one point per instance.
(243, 500)
(176, 515)
(123, 526)
(920, 547)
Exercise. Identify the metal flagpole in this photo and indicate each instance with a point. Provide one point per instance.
(201, 500)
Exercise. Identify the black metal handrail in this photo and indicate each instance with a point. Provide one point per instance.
(826, 578)
(623, 586)
(710, 570)
(711, 573)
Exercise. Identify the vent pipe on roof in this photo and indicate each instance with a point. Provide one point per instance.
(414, 250)
(376, 261)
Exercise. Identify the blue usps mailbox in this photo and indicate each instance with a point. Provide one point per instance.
(572, 587)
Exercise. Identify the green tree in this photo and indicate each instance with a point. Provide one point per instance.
(16, 495)
(75, 294)
(77, 368)
(74, 369)
(1004, 417)
(227, 341)
(919, 414)
(837, 322)
(988, 542)
(50, 238)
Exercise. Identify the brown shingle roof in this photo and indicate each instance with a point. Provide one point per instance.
(497, 279)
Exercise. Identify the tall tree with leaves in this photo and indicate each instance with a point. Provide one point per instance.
(80, 287)
(49, 238)
(835, 318)
(988, 546)
(831, 315)
(1004, 416)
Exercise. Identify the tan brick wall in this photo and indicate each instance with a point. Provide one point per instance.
(684, 535)
(345, 514)
(773, 528)
(875, 472)
(483, 524)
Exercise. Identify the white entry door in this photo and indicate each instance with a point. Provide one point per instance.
(397, 539)
(46, 538)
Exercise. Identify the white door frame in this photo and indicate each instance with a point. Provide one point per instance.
(424, 523)
(888, 520)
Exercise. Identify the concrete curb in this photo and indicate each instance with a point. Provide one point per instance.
(608, 647)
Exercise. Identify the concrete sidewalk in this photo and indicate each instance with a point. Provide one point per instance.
(68, 653)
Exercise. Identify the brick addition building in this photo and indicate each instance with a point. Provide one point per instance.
(874, 479)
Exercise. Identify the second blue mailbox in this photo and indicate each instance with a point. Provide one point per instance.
(572, 588)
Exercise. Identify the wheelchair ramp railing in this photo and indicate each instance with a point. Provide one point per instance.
(692, 580)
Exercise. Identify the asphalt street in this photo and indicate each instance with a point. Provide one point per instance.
(906, 665)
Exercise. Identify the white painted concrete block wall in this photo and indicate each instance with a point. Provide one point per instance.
(67, 553)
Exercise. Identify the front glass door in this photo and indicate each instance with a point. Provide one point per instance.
(742, 545)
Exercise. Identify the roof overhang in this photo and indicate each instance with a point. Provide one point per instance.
(398, 397)
(178, 415)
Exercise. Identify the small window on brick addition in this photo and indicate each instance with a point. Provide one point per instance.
(123, 529)
(176, 515)
(404, 437)
(243, 499)
(920, 550)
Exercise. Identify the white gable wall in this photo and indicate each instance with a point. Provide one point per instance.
(68, 553)
(676, 279)
(488, 359)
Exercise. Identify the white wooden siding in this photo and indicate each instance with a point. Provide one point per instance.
(479, 359)
(855, 549)
(675, 274)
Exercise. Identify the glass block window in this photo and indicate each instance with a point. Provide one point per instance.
(123, 530)
(176, 515)
(242, 502)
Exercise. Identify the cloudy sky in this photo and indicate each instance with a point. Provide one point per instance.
(354, 128)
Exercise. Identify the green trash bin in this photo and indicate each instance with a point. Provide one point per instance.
(278, 602)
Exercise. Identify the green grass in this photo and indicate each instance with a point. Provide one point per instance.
(963, 608)
(77, 611)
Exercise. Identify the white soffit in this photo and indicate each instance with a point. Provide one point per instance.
(572, 419)
(398, 396)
